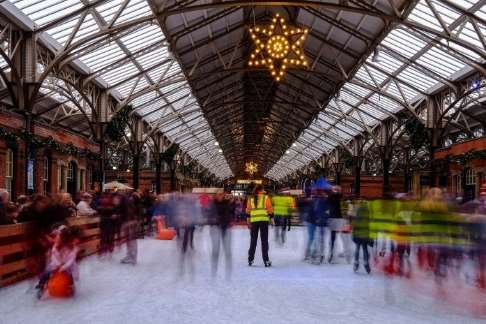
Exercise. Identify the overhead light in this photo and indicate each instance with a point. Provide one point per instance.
(476, 85)
(376, 56)
(220, 151)
(114, 167)
(128, 170)
(216, 144)
(294, 145)
(288, 152)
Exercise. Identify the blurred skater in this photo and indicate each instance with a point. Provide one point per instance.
(222, 213)
(61, 258)
(361, 234)
(336, 222)
(127, 210)
(283, 205)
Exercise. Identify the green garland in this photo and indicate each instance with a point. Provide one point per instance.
(417, 133)
(36, 142)
(465, 158)
(116, 128)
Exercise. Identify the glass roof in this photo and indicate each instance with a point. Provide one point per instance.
(134, 62)
(438, 42)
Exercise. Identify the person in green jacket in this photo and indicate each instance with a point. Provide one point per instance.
(283, 205)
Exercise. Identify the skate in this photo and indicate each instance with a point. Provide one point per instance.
(329, 260)
(367, 268)
(268, 264)
(39, 293)
(250, 263)
(128, 261)
(355, 267)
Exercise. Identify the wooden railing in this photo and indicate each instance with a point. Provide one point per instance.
(19, 256)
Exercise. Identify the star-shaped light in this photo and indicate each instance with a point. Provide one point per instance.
(251, 168)
(278, 47)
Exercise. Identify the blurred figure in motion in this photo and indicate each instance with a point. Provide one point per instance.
(336, 221)
(221, 216)
(317, 220)
(186, 213)
(84, 206)
(127, 210)
(62, 257)
(361, 233)
(259, 208)
(433, 254)
(479, 241)
(106, 210)
(283, 205)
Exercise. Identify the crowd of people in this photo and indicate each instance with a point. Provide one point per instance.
(392, 234)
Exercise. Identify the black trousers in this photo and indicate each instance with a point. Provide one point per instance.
(256, 227)
(188, 238)
(366, 255)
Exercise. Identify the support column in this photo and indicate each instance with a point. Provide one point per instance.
(386, 149)
(25, 62)
(434, 126)
(136, 145)
(136, 171)
(406, 174)
(100, 119)
(357, 162)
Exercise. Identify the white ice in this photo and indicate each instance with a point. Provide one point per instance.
(290, 292)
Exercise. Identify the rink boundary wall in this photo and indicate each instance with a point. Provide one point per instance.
(19, 257)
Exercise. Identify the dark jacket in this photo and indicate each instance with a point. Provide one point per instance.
(222, 213)
(334, 201)
(319, 213)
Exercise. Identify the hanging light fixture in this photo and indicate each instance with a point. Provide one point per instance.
(278, 47)
(251, 168)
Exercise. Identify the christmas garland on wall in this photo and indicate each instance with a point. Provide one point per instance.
(465, 158)
(36, 142)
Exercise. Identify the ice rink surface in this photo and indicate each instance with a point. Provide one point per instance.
(292, 291)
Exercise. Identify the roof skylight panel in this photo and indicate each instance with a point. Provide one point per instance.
(424, 15)
(440, 62)
(108, 9)
(142, 37)
(44, 11)
(417, 78)
(103, 56)
(152, 58)
(404, 93)
(121, 73)
(135, 9)
(469, 34)
(403, 42)
(357, 91)
(386, 103)
(387, 63)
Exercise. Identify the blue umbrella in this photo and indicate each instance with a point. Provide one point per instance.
(321, 184)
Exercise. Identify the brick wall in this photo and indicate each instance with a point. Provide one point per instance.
(57, 159)
(372, 187)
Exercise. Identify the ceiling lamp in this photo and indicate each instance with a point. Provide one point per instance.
(278, 47)
(251, 168)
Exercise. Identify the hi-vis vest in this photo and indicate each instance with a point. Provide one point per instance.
(282, 205)
(259, 213)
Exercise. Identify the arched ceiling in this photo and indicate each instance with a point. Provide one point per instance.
(254, 117)
(182, 65)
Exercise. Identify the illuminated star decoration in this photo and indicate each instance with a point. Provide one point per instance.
(278, 47)
(251, 168)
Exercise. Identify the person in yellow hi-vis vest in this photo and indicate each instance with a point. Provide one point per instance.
(283, 205)
(259, 209)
